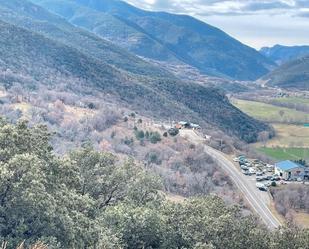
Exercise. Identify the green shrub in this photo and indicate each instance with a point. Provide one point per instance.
(139, 134)
(173, 132)
(154, 137)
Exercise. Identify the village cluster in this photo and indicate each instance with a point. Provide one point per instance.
(270, 175)
(266, 175)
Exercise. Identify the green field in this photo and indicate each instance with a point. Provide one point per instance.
(286, 153)
(292, 138)
(271, 113)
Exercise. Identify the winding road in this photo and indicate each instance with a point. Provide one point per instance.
(258, 200)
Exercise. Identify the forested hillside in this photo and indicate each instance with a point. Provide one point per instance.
(164, 37)
(92, 199)
(27, 15)
(294, 75)
(36, 60)
(283, 54)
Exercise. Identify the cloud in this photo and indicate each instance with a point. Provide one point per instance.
(227, 7)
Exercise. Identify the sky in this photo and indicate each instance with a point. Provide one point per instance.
(257, 23)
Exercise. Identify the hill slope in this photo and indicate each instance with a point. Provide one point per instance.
(184, 39)
(282, 54)
(294, 74)
(37, 19)
(34, 59)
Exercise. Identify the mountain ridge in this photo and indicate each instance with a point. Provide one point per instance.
(192, 41)
(40, 58)
(37, 19)
(282, 54)
(293, 74)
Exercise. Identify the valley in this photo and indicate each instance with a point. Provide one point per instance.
(288, 115)
(129, 128)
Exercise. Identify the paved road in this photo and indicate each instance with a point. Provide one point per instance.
(257, 199)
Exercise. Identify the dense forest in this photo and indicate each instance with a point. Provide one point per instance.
(90, 199)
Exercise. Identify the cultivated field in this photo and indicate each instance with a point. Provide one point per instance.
(292, 137)
(271, 113)
(289, 136)
(286, 153)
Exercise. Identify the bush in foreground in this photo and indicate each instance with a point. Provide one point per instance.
(90, 199)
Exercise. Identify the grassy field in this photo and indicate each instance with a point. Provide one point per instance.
(291, 140)
(289, 136)
(286, 153)
(271, 113)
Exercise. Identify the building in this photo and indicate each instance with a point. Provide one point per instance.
(289, 170)
(187, 125)
(184, 124)
(195, 126)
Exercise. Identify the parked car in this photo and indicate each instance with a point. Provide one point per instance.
(245, 172)
(269, 183)
(252, 171)
(275, 178)
(269, 177)
(261, 187)
(241, 163)
(259, 173)
(259, 178)
(244, 167)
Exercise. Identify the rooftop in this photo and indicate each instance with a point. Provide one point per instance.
(287, 165)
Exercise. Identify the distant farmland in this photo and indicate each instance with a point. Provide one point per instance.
(286, 153)
(292, 137)
(271, 113)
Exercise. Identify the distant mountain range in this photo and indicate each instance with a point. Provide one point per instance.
(282, 54)
(164, 37)
(294, 75)
(37, 47)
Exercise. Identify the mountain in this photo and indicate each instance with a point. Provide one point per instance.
(282, 54)
(46, 58)
(294, 74)
(37, 19)
(164, 37)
